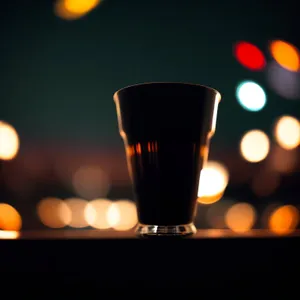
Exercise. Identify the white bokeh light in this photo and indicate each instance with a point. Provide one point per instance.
(251, 96)
(254, 146)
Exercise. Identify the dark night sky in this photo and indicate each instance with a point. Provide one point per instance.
(58, 77)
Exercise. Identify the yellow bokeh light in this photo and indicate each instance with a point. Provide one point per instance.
(77, 207)
(96, 213)
(254, 146)
(10, 219)
(54, 212)
(81, 6)
(74, 9)
(9, 141)
(287, 132)
(9, 235)
(285, 55)
(213, 181)
(122, 215)
(284, 220)
(240, 217)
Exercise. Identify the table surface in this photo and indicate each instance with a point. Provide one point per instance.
(110, 234)
(212, 258)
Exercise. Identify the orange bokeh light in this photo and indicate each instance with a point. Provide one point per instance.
(284, 220)
(10, 219)
(286, 55)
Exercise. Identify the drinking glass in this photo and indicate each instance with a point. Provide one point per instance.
(166, 128)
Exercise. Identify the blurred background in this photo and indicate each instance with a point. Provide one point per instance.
(62, 161)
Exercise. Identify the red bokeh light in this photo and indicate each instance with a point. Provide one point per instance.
(249, 56)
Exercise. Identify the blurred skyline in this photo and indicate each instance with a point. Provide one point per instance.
(58, 76)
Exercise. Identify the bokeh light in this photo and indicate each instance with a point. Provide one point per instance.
(213, 181)
(284, 220)
(9, 141)
(216, 213)
(282, 160)
(96, 213)
(249, 55)
(251, 96)
(10, 219)
(254, 146)
(287, 132)
(283, 82)
(240, 217)
(122, 215)
(77, 207)
(74, 9)
(285, 55)
(90, 182)
(54, 212)
(9, 235)
(265, 182)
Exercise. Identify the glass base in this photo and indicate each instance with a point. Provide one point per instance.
(168, 231)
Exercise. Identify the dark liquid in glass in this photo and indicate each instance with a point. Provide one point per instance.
(165, 180)
(166, 130)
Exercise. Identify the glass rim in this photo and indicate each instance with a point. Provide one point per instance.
(218, 94)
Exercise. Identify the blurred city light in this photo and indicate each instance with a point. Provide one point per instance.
(283, 82)
(77, 207)
(9, 235)
(96, 213)
(9, 141)
(122, 215)
(284, 220)
(90, 182)
(54, 212)
(254, 146)
(285, 55)
(74, 9)
(216, 213)
(265, 182)
(240, 217)
(251, 96)
(10, 219)
(282, 160)
(287, 132)
(249, 55)
(213, 181)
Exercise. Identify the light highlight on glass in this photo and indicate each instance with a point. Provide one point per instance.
(251, 96)
(240, 217)
(9, 141)
(249, 56)
(287, 132)
(285, 54)
(254, 146)
(213, 181)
